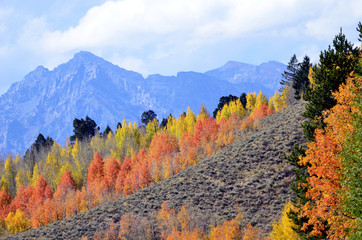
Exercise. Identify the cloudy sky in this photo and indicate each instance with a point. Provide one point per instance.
(167, 36)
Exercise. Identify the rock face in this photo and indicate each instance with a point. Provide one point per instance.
(48, 101)
(250, 175)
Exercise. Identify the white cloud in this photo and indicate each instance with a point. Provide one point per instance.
(159, 24)
(130, 63)
(135, 23)
(169, 35)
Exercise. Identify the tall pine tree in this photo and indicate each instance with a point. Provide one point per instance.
(289, 75)
(335, 64)
(300, 80)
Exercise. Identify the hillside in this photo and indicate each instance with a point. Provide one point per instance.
(250, 175)
(47, 101)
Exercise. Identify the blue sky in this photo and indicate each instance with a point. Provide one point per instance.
(159, 36)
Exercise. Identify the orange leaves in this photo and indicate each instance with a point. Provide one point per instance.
(325, 168)
(96, 169)
(182, 143)
(180, 226)
(229, 230)
(250, 233)
(65, 185)
(5, 200)
(133, 226)
(111, 172)
(164, 146)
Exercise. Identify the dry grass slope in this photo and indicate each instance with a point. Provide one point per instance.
(250, 175)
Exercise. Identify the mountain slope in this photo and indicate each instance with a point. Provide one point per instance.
(48, 101)
(250, 174)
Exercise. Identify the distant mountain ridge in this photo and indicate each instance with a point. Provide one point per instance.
(48, 101)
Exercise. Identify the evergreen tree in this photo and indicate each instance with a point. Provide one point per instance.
(299, 199)
(222, 101)
(40, 147)
(148, 116)
(84, 129)
(359, 29)
(335, 64)
(300, 81)
(163, 123)
(289, 75)
(106, 131)
(243, 100)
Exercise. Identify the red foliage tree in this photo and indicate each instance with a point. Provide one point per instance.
(5, 200)
(111, 169)
(96, 169)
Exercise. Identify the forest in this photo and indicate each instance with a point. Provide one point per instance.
(53, 182)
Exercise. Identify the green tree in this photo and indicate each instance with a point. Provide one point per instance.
(243, 100)
(84, 129)
(335, 64)
(352, 168)
(38, 150)
(359, 29)
(106, 131)
(148, 116)
(289, 75)
(300, 80)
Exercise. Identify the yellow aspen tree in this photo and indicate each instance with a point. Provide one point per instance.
(283, 228)
(237, 108)
(225, 113)
(278, 101)
(190, 120)
(181, 126)
(36, 175)
(4, 183)
(260, 100)
(128, 140)
(98, 144)
(9, 176)
(111, 144)
(250, 101)
(203, 114)
(311, 77)
(79, 168)
(151, 129)
(171, 125)
(22, 178)
(17, 222)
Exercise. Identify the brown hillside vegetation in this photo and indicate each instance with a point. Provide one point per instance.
(250, 176)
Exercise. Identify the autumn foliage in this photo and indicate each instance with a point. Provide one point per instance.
(183, 224)
(83, 175)
(325, 166)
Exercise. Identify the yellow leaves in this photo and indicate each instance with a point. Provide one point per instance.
(279, 101)
(21, 178)
(36, 175)
(250, 101)
(311, 77)
(260, 100)
(283, 228)
(127, 140)
(8, 168)
(203, 114)
(17, 222)
(324, 162)
(233, 107)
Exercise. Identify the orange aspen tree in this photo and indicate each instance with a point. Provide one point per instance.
(325, 167)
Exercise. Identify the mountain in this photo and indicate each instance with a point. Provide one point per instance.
(48, 101)
(248, 176)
